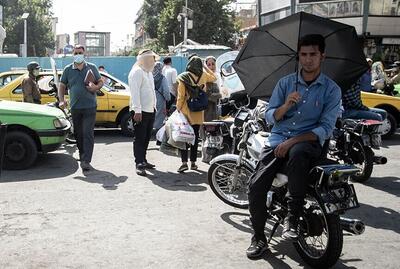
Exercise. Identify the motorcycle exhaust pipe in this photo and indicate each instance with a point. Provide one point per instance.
(380, 160)
(353, 226)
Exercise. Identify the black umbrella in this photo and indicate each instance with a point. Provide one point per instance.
(270, 52)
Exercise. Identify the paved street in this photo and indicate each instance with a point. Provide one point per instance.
(52, 216)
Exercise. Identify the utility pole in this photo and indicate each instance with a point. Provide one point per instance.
(185, 31)
(25, 47)
(292, 6)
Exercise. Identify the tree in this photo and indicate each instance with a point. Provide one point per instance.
(39, 32)
(151, 13)
(213, 22)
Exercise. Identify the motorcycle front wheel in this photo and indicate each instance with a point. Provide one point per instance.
(321, 238)
(222, 183)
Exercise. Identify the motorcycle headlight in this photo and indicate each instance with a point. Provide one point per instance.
(60, 123)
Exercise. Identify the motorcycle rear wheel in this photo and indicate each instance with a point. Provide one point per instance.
(322, 251)
(220, 176)
(367, 162)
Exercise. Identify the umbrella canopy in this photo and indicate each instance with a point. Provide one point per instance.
(270, 53)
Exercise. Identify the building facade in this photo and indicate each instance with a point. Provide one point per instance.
(61, 42)
(96, 43)
(376, 21)
(141, 38)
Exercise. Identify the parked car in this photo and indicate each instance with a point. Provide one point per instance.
(112, 82)
(389, 103)
(112, 105)
(31, 129)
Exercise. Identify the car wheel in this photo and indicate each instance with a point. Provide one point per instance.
(389, 126)
(20, 151)
(127, 125)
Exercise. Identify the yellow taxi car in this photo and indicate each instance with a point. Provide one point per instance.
(112, 105)
(389, 103)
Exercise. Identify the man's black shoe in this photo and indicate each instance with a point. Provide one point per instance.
(184, 167)
(290, 228)
(257, 249)
(141, 169)
(149, 165)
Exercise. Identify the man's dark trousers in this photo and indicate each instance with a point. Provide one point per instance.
(300, 159)
(142, 136)
(84, 120)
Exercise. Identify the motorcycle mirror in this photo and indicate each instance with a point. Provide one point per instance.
(227, 69)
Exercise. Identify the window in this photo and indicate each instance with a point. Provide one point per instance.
(384, 8)
(7, 79)
(95, 44)
(320, 10)
(333, 9)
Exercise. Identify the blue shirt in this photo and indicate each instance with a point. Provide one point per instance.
(365, 81)
(316, 112)
(73, 78)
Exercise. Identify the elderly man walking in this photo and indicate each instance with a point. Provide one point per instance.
(142, 106)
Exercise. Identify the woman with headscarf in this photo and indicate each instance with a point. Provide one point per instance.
(213, 91)
(196, 75)
(162, 93)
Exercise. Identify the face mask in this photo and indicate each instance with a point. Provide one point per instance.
(35, 73)
(79, 58)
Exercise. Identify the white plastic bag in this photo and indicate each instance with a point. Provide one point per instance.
(160, 133)
(181, 129)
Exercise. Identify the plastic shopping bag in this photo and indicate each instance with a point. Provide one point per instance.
(181, 129)
(160, 134)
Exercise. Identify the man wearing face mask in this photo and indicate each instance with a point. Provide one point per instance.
(30, 87)
(142, 106)
(83, 81)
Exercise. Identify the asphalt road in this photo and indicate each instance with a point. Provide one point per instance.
(53, 216)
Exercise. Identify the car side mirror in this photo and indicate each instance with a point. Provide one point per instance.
(119, 86)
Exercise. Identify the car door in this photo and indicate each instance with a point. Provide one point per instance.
(102, 106)
(16, 93)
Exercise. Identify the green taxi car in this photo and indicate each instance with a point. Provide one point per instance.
(31, 129)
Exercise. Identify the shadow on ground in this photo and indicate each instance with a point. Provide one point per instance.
(47, 166)
(190, 181)
(392, 141)
(279, 250)
(108, 180)
(110, 136)
(389, 185)
(381, 218)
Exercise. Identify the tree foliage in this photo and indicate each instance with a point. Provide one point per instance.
(151, 13)
(39, 31)
(213, 22)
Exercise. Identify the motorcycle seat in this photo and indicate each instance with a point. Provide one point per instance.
(282, 179)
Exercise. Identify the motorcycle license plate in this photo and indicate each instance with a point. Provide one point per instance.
(213, 142)
(339, 199)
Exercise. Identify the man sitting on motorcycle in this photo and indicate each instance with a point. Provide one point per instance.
(354, 108)
(304, 116)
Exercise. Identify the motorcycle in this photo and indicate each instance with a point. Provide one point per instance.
(329, 195)
(218, 135)
(352, 143)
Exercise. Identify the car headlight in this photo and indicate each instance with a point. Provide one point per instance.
(61, 123)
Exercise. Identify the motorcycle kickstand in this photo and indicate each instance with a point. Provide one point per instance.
(276, 225)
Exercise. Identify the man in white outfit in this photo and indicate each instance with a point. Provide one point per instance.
(142, 107)
(170, 74)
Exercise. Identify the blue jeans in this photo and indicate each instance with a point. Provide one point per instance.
(371, 114)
